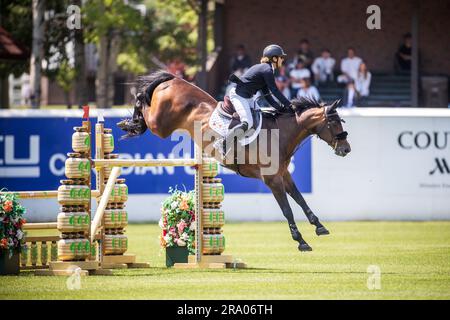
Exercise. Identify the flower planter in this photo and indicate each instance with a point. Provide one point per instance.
(176, 255)
(9, 266)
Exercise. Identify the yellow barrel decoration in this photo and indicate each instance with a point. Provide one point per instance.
(122, 191)
(73, 249)
(77, 168)
(108, 141)
(213, 191)
(81, 141)
(213, 218)
(210, 167)
(213, 243)
(115, 219)
(73, 222)
(115, 194)
(122, 218)
(74, 194)
(115, 244)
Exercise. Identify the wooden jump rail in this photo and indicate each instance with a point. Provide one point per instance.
(50, 194)
(36, 253)
(144, 162)
(100, 262)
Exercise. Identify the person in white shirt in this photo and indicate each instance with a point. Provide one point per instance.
(362, 83)
(349, 66)
(307, 90)
(300, 72)
(323, 67)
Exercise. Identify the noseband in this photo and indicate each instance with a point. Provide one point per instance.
(328, 124)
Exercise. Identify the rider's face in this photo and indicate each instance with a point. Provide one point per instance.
(280, 62)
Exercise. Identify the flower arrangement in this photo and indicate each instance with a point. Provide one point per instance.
(11, 222)
(177, 217)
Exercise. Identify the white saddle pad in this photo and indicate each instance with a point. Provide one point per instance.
(220, 124)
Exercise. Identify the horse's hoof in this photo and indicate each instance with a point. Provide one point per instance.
(304, 247)
(321, 231)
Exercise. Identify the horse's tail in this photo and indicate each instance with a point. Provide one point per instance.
(136, 126)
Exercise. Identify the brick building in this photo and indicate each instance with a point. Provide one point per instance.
(334, 25)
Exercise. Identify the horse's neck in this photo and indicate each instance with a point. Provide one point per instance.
(298, 129)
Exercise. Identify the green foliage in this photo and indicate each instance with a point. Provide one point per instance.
(65, 76)
(167, 31)
(16, 18)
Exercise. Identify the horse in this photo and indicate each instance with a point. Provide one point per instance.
(166, 103)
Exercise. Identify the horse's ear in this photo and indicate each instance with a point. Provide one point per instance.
(333, 106)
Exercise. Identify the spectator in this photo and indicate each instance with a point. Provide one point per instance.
(323, 66)
(307, 90)
(349, 67)
(350, 95)
(304, 53)
(362, 84)
(282, 83)
(403, 55)
(177, 67)
(240, 61)
(297, 75)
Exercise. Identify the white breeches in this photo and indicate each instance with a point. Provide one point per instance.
(242, 106)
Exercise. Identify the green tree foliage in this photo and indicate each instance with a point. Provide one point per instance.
(16, 18)
(65, 78)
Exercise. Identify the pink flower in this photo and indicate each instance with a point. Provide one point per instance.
(181, 225)
(172, 231)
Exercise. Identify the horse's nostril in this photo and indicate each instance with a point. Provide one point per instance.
(347, 150)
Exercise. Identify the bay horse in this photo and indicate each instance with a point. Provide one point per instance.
(165, 103)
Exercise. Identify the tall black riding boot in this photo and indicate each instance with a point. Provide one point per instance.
(238, 132)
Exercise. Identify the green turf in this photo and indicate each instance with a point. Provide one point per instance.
(414, 258)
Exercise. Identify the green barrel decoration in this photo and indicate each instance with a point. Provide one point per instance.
(213, 243)
(77, 168)
(69, 222)
(81, 141)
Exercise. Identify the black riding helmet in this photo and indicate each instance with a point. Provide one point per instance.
(274, 50)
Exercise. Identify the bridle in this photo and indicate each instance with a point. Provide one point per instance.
(330, 119)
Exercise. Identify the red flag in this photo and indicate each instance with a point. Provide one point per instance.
(86, 112)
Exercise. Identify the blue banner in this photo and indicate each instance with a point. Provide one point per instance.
(33, 151)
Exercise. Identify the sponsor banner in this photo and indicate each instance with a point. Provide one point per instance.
(33, 150)
(399, 168)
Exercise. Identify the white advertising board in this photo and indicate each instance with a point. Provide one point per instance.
(399, 169)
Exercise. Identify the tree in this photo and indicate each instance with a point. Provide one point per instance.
(37, 51)
(109, 24)
(16, 18)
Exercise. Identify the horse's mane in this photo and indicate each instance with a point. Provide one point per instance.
(147, 84)
(302, 104)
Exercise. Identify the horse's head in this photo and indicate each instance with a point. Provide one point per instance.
(324, 121)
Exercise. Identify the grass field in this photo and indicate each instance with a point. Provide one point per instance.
(414, 258)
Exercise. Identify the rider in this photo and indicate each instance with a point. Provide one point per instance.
(258, 77)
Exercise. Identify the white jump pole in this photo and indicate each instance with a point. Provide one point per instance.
(115, 173)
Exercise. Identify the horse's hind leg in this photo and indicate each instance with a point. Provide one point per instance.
(275, 183)
(293, 191)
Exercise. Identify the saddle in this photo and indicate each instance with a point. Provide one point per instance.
(226, 109)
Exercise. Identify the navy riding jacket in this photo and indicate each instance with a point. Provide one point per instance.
(261, 77)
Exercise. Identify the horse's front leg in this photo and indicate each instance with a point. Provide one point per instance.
(293, 191)
(275, 183)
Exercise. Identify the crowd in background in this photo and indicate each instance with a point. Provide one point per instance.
(305, 73)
